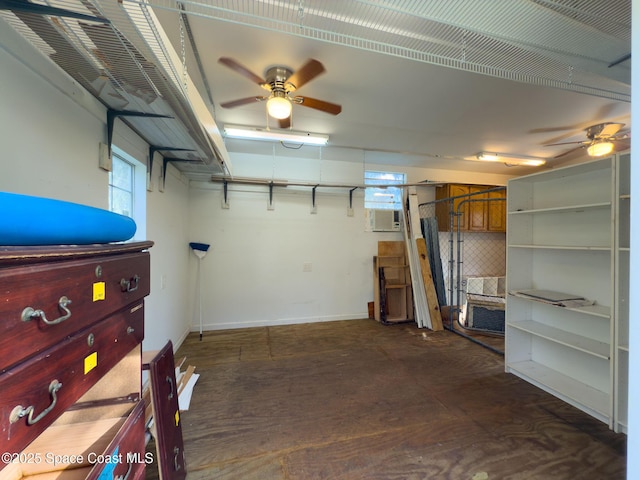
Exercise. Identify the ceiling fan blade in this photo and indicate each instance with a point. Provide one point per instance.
(242, 101)
(621, 143)
(332, 108)
(621, 136)
(609, 129)
(285, 122)
(568, 152)
(567, 143)
(242, 70)
(306, 73)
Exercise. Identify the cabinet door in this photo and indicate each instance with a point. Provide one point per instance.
(166, 415)
(443, 208)
(477, 216)
(497, 213)
(460, 221)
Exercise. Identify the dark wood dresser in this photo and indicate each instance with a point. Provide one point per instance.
(71, 328)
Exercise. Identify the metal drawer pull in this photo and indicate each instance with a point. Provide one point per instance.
(130, 285)
(176, 459)
(126, 475)
(172, 391)
(19, 412)
(30, 313)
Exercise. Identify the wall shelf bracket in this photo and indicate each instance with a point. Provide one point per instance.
(314, 209)
(113, 114)
(351, 196)
(270, 205)
(350, 209)
(153, 149)
(166, 161)
(225, 193)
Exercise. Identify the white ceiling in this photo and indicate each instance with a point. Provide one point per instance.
(417, 111)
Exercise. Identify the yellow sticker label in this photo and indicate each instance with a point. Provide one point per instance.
(90, 362)
(98, 291)
(177, 417)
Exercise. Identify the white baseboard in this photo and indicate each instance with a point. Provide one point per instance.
(279, 321)
(182, 338)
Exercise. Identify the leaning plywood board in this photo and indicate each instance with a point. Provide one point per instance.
(389, 248)
(412, 231)
(429, 287)
(393, 299)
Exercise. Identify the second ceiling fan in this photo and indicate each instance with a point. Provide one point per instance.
(600, 139)
(282, 82)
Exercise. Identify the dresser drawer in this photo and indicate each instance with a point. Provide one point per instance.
(109, 445)
(52, 381)
(34, 314)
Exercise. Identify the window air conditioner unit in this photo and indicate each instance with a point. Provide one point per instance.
(385, 220)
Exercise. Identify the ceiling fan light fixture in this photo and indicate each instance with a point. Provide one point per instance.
(279, 107)
(599, 149)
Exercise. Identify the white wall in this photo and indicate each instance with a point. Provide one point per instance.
(167, 226)
(50, 131)
(49, 142)
(254, 273)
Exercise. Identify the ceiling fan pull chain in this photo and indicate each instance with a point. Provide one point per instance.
(183, 51)
(301, 13)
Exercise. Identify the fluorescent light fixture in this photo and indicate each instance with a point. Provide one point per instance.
(254, 133)
(508, 159)
(488, 157)
(599, 149)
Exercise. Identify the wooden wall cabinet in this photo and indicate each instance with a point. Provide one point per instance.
(72, 324)
(567, 231)
(497, 212)
(475, 216)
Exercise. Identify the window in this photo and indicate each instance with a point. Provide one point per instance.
(389, 198)
(121, 186)
(127, 190)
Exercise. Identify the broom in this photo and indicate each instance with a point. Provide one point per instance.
(200, 250)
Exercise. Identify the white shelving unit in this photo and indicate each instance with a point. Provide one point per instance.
(563, 235)
(621, 365)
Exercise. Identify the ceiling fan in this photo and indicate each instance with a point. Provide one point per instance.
(282, 82)
(600, 139)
